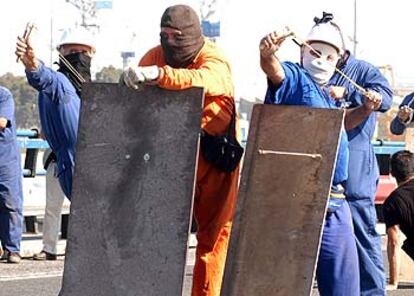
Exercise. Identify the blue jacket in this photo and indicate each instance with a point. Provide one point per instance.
(363, 167)
(59, 115)
(10, 167)
(298, 88)
(397, 127)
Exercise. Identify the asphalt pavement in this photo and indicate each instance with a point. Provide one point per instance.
(43, 278)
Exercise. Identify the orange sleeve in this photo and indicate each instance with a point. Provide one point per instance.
(210, 70)
(152, 57)
(213, 74)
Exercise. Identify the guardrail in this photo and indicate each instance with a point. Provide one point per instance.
(387, 147)
(31, 142)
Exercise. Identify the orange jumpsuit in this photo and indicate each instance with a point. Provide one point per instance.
(216, 191)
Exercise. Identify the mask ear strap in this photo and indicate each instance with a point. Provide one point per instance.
(342, 60)
(72, 69)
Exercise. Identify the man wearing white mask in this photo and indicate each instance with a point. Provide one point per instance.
(305, 84)
(361, 186)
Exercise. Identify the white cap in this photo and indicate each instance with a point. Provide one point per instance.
(77, 36)
(327, 33)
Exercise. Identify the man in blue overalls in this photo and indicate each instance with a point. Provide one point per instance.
(404, 116)
(305, 84)
(59, 101)
(360, 121)
(59, 95)
(11, 197)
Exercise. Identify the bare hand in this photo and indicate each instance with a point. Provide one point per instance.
(26, 53)
(405, 113)
(3, 123)
(272, 42)
(337, 92)
(372, 100)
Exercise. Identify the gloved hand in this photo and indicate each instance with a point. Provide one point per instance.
(132, 78)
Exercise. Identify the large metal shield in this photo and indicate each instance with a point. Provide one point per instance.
(132, 191)
(285, 184)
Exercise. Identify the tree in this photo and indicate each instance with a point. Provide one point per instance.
(108, 74)
(25, 98)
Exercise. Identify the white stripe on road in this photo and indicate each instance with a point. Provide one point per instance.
(31, 276)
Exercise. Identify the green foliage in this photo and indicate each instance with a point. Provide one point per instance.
(25, 97)
(108, 74)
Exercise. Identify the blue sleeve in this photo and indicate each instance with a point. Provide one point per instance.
(288, 87)
(397, 127)
(7, 111)
(372, 79)
(51, 82)
(342, 160)
(377, 82)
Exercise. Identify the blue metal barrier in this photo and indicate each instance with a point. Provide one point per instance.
(29, 139)
(28, 133)
(27, 143)
(27, 173)
(387, 147)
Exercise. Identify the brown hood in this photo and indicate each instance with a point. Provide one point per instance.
(180, 52)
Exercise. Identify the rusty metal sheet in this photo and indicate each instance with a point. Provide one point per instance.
(133, 191)
(282, 201)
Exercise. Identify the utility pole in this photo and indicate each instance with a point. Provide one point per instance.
(51, 41)
(355, 27)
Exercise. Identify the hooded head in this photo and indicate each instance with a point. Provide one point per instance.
(326, 39)
(181, 36)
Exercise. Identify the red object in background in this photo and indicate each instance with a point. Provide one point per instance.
(386, 185)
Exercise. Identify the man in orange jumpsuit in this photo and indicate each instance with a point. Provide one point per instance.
(186, 59)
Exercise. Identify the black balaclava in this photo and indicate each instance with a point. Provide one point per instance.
(82, 64)
(181, 52)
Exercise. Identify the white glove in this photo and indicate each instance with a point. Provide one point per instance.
(132, 78)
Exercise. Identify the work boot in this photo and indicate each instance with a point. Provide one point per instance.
(13, 258)
(43, 255)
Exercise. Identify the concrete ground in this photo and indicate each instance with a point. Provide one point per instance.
(33, 278)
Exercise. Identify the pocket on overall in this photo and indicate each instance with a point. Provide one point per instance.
(336, 198)
(223, 152)
(362, 178)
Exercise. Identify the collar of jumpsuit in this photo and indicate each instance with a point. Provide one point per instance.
(320, 62)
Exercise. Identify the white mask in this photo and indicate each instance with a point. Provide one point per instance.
(322, 68)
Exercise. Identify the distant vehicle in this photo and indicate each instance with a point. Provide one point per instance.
(383, 151)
